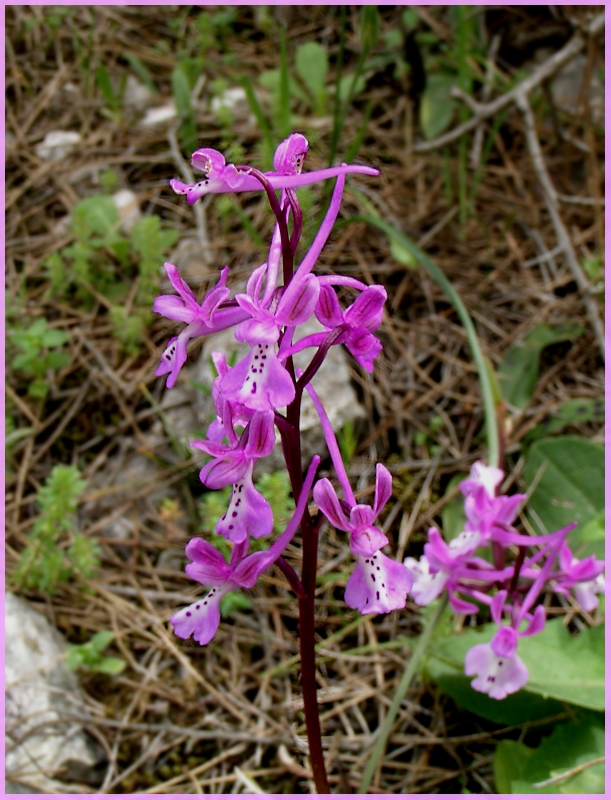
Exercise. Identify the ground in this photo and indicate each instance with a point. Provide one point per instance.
(475, 204)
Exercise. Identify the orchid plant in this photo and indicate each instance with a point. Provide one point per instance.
(263, 392)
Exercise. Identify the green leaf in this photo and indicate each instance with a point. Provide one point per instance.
(560, 666)
(515, 709)
(509, 763)
(110, 666)
(436, 105)
(106, 87)
(101, 640)
(312, 64)
(573, 412)
(570, 746)
(96, 214)
(345, 85)
(402, 255)
(565, 667)
(54, 338)
(519, 370)
(571, 488)
(369, 28)
(38, 389)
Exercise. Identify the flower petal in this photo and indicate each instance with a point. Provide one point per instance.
(383, 491)
(327, 501)
(248, 514)
(209, 566)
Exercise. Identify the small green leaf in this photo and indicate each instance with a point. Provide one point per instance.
(234, 601)
(106, 88)
(54, 338)
(571, 487)
(312, 64)
(101, 640)
(110, 666)
(38, 389)
(369, 28)
(436, 105)
(96, 214)
(509, 763)
(519, 370)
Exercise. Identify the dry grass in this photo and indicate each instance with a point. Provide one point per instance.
(185, 719)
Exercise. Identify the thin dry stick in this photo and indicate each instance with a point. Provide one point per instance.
(541, 74)
(569, 773)
(551, 201)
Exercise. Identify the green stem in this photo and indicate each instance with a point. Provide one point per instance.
(492, 433)
(410, 671)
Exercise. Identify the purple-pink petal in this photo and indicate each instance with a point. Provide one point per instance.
(327, 501)
(209, 567)
(383, 490)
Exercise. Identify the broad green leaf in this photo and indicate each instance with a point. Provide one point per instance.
(509, 762)
(515, 709)
(519, 370)
(95, 215)
(436, 105)
(345, 85)
(570, 668)
(571, 488)
(312, 64)
(573, 412)
(571, 745)
(560, 666)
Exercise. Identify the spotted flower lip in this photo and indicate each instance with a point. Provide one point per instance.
(290, 154)
(496, 676)
(221, 177)
(248, 514)
(378, 585)
(259, 381)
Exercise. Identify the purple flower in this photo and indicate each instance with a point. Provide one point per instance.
(482, 475)
(378, 584)
(231, 461)
(201, 319)
(208, 567)
(248, 514)
(427, 585)
(498, 668)
(497, 676)
(220, 177)
(585, 578)
(358, 321)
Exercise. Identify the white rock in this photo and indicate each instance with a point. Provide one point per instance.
(229, 99)
(129, 208)
(158, 115)
(57, 144)
(40, 692)
(136, 94)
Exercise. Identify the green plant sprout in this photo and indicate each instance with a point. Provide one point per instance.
(103, 261)
(56, 553)
(39, 354)
(90, 657)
